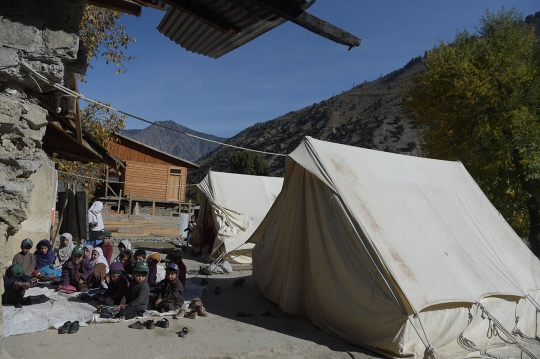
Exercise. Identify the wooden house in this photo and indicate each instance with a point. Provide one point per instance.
(150, 174)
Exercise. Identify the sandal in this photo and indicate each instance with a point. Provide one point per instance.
(183, 333)
(268, 314)
(137, 325)
(242, 314)
(163, 323)
(180, 314)
(150, 324)
(218, 290)
(64, 328)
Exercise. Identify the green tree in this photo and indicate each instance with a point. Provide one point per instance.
(478, 102)
(249, 163)
(103, 34)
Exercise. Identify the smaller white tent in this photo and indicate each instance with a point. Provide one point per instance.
(232, 207)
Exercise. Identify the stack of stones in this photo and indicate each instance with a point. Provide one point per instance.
(43, 34)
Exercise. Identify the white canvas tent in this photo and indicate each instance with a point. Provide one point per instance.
(393, 252)
(234, 205)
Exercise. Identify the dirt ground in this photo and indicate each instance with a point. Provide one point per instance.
(220, 335)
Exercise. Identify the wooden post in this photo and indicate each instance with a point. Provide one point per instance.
(60, 219)
(119, 202)
(153, 203)
(129, 202)
(106, 181)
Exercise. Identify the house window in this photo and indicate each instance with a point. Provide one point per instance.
(175, 171)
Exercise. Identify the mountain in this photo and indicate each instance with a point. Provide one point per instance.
(369, 115)
(175, 143)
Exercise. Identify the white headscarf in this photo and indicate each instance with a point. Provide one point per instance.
(126, 243)
(64, 252)
(94, 215)
(101, 258)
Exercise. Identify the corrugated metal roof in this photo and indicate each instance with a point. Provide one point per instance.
(199, 37)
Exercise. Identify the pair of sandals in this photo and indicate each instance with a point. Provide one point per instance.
(183, 333)
(69, 328)
(150, 324)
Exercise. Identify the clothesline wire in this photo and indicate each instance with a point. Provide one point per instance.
(78, 95)
(132, 183)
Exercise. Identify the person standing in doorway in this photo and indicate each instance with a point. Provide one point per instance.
(95, 224)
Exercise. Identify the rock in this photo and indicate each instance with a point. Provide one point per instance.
(35, 116)
(9, 114)
(18, 36)
(62, 44)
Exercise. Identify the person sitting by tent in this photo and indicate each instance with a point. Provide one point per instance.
(140, 255)
(77, 272)
(153, 260)
(95, 224)
(118, 285)
(25, 258)
(136, 299)
(101, 267)
(64, 252)
(191, 227)
(106, 246)
(174, 259)
(171, 291)
(88, 252)
(16, 283)
(45, 258)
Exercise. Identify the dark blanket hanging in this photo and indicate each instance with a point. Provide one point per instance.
(75, 215)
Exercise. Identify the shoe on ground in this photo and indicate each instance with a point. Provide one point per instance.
(204, 281)
(64, 328)
(201, 311)
(239, 282)
(218, 290)
(195, 303)
(183, 332)
(18, 305)
(137, 325)
(180, 314)
(163, 323)
(74, 327)
(150, 324)
(191, 315)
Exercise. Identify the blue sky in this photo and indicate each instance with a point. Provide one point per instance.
(284, 70)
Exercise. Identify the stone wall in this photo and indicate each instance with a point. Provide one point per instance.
(45, 35)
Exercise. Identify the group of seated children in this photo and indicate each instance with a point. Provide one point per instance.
(129, 280)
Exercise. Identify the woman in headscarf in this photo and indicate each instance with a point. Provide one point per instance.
(101, 267)
(45, 258)
(64, 252)
(95, 223)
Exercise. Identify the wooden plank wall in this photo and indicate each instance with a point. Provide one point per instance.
(134, 154)
(139, 175)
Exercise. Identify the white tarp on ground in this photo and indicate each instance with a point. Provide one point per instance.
(234, 205)
(39, 317)
(361, 240)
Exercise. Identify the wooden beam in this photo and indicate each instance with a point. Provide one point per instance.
(149, 3)
(76, 115)
(203, 15)
(296, 14)
(126, 7)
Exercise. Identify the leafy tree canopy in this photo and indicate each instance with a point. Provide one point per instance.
(102, 33)
(478, 102)
(249, 163)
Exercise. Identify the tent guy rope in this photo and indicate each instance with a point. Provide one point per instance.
(78, 95)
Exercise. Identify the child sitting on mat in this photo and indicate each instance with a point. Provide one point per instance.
(77, 271)
(135, 301)
(16, 283)
(171, 293)
(45, 258)
(118, 285)
(25, 258)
